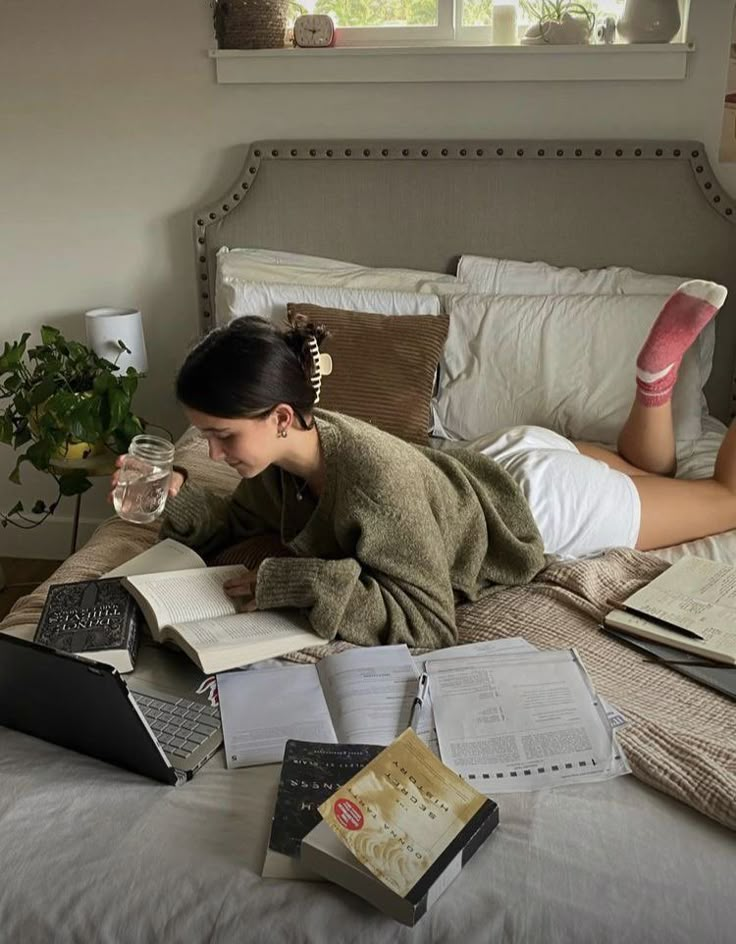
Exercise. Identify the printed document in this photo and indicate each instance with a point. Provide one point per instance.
(519, 721)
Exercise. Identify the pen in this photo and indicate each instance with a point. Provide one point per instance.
(416, 705)
(657, 620)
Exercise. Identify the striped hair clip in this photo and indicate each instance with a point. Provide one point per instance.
(321, 367)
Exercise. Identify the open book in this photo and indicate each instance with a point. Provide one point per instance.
(691, 606)
(190, 609)
(362, 696)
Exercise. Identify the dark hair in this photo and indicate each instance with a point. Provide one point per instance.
(249, 366)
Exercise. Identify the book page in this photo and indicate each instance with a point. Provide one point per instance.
(262, 709)
(697, 594)
(369, 692)
(426, 728)
(522, 721)
(183, 595)
(244, 638)
(165, 556)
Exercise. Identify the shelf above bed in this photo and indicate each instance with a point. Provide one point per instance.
(616, 62)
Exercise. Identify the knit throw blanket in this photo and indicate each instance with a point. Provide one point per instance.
(680, 737)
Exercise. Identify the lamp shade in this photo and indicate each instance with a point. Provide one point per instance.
(106, 326)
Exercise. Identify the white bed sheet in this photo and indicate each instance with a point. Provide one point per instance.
(92, 853)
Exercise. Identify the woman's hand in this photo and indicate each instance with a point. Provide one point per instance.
(175, 482)
(242, 590)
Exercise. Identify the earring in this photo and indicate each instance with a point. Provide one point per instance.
(282, 434)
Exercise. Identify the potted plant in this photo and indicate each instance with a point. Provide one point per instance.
(69, 408)
(557, 22)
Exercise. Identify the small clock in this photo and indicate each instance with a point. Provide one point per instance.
(314, 30)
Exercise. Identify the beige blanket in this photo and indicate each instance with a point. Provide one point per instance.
(680, 737)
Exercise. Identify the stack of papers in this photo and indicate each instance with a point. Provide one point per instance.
(503, 715)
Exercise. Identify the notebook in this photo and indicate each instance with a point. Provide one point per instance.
(691, 606)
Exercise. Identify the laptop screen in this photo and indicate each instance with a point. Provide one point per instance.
(76, 704)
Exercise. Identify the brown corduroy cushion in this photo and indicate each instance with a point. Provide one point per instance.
(383, 366)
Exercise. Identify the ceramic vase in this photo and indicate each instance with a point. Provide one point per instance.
(649, 21)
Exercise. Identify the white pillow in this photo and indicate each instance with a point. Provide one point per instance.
(564, 362)
(239, 297)
(266, 265)
(486, 275)
(490, 276)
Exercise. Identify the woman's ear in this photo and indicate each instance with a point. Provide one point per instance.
(283, 416)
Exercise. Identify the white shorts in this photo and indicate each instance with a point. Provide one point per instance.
(581, 506)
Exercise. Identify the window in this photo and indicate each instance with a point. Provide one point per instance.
(427, 22)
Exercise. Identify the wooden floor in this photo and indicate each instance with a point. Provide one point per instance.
(21, 576)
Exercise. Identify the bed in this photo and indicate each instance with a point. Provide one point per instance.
(94, 853)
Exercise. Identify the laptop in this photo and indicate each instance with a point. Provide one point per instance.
(715, 675)
(161, 724)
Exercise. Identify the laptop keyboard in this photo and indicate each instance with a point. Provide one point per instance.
(180, 725)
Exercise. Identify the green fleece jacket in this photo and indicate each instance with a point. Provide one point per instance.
(397, 532)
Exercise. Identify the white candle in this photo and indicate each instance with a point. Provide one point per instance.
(504, 24)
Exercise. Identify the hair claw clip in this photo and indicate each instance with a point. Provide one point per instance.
(321, 367)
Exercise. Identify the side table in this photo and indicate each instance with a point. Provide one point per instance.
(93, 466)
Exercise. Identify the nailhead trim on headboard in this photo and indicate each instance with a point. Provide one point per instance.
(691, 151)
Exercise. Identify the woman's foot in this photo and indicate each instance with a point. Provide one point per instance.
(686, 312)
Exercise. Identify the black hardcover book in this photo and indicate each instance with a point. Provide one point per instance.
(311, 772)
(97, 619)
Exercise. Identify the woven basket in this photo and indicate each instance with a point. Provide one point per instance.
(251, 24)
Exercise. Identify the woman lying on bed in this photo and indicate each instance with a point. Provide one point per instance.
(385, 535)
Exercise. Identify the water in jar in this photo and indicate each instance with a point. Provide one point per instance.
(140, 494)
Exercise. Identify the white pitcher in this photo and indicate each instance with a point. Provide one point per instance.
(649, 21)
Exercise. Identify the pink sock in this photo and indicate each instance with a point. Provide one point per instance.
(686, 312)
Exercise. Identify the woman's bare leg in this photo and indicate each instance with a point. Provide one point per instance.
(647, 439)
(646, 444)
(611, 458)
(672, 510)
(677, 510)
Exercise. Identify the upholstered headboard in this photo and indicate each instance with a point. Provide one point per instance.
(652, 205)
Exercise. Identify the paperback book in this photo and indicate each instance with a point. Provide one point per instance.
(310, 773)
(400, 831)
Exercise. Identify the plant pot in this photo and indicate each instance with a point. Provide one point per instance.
(74, 450)
(649, 21)
(251, 24)
(99, 463)
(569, 30)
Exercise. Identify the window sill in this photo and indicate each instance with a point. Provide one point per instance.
(616, 62)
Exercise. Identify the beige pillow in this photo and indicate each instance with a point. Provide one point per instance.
(384, 366)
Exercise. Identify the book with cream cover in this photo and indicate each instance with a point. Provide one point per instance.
(691, 606)
(399, 832)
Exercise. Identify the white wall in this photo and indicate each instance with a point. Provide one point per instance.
(113, 131)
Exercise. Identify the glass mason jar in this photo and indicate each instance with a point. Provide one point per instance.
(143, 479)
